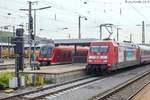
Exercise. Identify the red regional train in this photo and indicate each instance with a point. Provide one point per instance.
(61, 54)
(105, 56)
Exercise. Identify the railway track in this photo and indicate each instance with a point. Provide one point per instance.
(116, 87)
(41, 92)
(7, 66)
(87, 82)
(127, 90)
(10, 64)
(134, 94)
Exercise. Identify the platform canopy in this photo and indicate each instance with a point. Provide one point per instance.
(56, 42)
(81, 42)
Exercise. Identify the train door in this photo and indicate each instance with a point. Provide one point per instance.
(116, 55)
(58, 56)
(67, 56)
(64, 56)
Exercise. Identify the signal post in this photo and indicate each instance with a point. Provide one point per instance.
(18, 42)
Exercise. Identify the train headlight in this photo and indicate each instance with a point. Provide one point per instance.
(105, 61)
(92, 57)
(45, 59)
(103, 57)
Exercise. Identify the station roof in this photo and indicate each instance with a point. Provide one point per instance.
(82, 42)
(25, 45)
(39, 45)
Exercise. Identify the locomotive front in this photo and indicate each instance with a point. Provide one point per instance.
(100, 57)
(45, 54)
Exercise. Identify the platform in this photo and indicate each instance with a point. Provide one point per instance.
(11, 62)
(144, 94)
(59, 73)
(8, 62)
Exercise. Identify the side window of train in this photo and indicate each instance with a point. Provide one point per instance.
(76, 54)
(64, 55)
(58, 56)
(146, 52)
(69, 55)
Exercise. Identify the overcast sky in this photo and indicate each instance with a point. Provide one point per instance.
(64, 14)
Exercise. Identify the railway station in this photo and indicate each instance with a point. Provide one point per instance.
(74, 50)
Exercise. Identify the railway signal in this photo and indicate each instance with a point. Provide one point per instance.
(18, 42)
(31, 27)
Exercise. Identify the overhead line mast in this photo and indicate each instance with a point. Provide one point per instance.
(30, 29)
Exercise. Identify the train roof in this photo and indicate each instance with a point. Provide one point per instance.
(82, 42)
(105, 41)
(115, 43)
(129, 44)
(71, 48)
(145, 47)
(25, 45)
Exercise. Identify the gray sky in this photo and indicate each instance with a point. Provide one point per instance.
(64, 13)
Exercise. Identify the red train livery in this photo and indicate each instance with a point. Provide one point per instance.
(61, 54)
(105, 56)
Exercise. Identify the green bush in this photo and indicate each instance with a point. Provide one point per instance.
(49, 82)
(4, 78)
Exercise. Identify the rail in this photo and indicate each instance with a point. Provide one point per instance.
(28, 93)
(134, 94)
(110, 92)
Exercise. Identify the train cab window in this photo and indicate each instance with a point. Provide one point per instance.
(146, 53)
(100, 49)
(65, 55)
(69, 55)
(46, 51)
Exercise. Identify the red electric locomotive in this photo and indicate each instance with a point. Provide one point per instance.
(60, 54)
(110, 55)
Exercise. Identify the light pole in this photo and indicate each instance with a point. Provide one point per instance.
(79, 19)
(8, 38)
(130, 37)
(100, 30)
(65, 28)
(34, 41)
(9, 14)
(143, 31)
(34, 57)
(1, 48)
(118, 33)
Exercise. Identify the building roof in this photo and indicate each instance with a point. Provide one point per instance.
(82, 42)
